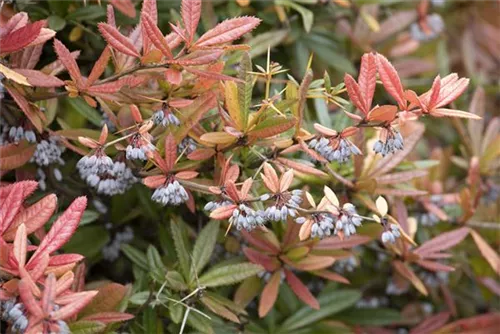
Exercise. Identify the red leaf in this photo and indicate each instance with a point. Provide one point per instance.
(337, 243)
(74, 307)
(29, 300)
(155, 35)
(99, 66)
(49, 293)
(125, 6)
(488, 253)
(18, 39)
(40, 79)
(436, 87)
(20, 244)
(110, 16)
(186, 175)
(28, 109)
(64, 259)
(191, 12)
(149, 8)
(404, 270)
(68, 62)
(485, 323)
(367, 79)
(211, 75)
(434, 266)
(170, 152)
(117, 40)
(331, 276)
(451, 90)
(109, 317)
(270, 264)
(301, 290)
(154, 181)
(33, 217)
(228, 31)
(390, 80)
(61, 231)
(269, 294)
(254, 239)
(17, 21)
(223, 212)
(443, 112)
(201, 154)
(11, 203)
(355, 93)
(199, 57)
(442, 242)
(432, 323)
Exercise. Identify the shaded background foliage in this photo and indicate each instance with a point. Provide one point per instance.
(337, 34)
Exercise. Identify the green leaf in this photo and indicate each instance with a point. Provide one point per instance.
(307, 15)
(330, 303)
(88, 217)
(79, 105)
(56, 22)
(176, 311)
(369, 317)
(79, 242)
(181, 248)
(139, 298)
(204, 246)
(229, 274)
(200, 323)
(156, 266)
(322, 113)
(90, 13)
(245, 88)
(136, 256)
(86, 327)
(260, 43)
(175, 281)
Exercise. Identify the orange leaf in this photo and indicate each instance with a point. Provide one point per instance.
(386, 113)
(170, 152)
(154, 181)
(149, 7)
(488, 253)
(15, 155)
(269, 294)
(186, 175)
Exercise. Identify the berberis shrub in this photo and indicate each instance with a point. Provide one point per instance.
(229, 196)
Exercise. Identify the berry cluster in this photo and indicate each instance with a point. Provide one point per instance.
(13, 313)
(48, 151)
(393, 142)
(334, 149)
(111, 251)
(244, 217)
(285, 204)
(434, 25)
(170, 193)
(107, 176)
(165, 118)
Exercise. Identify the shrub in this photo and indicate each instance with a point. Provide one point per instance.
(247, 191)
